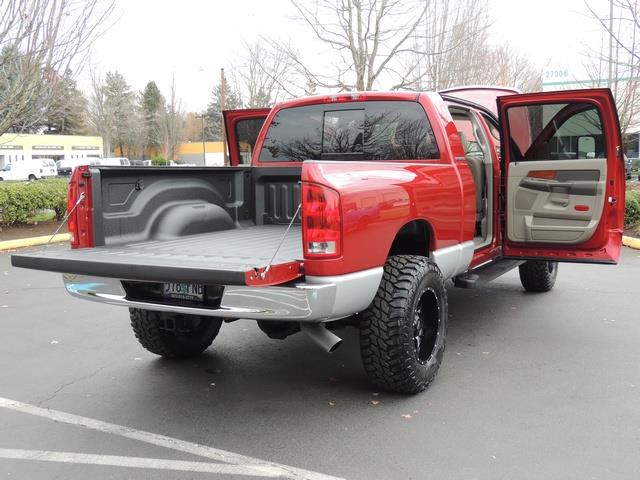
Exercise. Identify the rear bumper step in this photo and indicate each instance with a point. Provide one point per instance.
(317, 299)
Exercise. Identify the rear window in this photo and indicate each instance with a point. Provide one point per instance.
(350, 131)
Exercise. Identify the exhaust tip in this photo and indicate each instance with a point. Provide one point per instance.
(335, 346)
(317, 332)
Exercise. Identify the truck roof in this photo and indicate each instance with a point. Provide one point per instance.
(347, 97)
(482, 95)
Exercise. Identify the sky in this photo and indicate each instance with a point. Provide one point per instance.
(192, 39)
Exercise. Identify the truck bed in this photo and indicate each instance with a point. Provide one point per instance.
(223, 257)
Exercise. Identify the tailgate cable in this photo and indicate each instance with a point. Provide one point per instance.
(263, 275)
(64, 220)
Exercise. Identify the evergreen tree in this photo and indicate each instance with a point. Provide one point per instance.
(214, 121)
(19, 117)
(66, 114)
(120, 102)
(152, 104)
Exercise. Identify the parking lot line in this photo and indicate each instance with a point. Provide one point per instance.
(276, 469)
(137, 462)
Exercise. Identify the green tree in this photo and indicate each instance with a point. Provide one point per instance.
(152, 104)
(39, 40)
(16, 116)
(120, 102)
(214, 122)
(66, 114)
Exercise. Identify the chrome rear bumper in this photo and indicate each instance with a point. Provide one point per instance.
(318, 299)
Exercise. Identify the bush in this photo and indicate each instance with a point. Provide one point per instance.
(159, 160)
(632, 209)
(20, 201)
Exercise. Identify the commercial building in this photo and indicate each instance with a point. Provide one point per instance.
(191, 153)
(18, 148)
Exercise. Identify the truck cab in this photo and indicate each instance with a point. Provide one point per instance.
(355, 210)
(552, 190)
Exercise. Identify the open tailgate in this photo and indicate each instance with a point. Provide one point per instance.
(228, 257)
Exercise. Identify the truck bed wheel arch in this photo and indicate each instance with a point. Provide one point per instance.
(414, 238)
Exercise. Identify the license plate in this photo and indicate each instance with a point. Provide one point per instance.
(183, 291)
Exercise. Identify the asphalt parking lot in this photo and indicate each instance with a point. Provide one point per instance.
(532, 386)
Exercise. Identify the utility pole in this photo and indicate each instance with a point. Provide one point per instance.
(223, 101)
(204, 145)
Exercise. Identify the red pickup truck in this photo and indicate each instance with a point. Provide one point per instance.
(355, 210)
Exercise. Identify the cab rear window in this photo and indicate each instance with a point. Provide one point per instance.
(350, 131)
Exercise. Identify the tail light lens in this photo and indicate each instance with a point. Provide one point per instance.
(321, 222)
(81, 218)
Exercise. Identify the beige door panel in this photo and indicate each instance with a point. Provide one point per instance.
(565, 209)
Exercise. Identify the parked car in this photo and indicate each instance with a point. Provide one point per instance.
(67, 165)
(111, 161)
(48, 168)
(20, 171)
(140, 163)
(354, 212)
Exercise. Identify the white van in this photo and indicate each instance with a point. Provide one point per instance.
(111, 162)
(19, 171)
(48, 168)
(66, 166)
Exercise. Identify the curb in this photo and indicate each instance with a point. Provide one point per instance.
(631, 242)
(34, 241)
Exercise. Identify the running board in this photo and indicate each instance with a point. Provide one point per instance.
(485, 273)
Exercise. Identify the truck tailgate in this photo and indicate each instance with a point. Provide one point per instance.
(228, 257)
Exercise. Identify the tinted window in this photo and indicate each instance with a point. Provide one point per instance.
(295, 134)
(561, 131)
(350, 131)
(343, 132)
(246, 135)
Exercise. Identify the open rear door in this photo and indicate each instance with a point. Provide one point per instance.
(563, 176)
(242, 128)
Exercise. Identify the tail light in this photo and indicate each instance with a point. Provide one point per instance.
(80, 210)
(321, 222)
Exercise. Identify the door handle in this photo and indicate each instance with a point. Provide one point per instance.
(563, 202)
(544, 185)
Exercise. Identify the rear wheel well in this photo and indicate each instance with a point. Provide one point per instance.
(414, 238)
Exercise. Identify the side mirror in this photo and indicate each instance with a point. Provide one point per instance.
(586, 147)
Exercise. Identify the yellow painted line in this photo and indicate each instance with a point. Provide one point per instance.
(631, 242)
(33, 241)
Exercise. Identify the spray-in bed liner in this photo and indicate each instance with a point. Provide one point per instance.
(221, 257)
